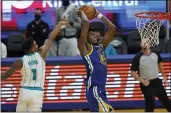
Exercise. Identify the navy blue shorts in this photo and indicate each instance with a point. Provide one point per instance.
(97, 100)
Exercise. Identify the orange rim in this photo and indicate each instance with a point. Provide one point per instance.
(154, 15)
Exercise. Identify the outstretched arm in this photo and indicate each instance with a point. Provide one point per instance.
(44, 49)
(111, 29)
(76, 20)
(82, 42)
(15, 66)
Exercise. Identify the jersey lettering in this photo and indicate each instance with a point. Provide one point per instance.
(32, 62)
(33, 71)
(102, 56)
(34, 74)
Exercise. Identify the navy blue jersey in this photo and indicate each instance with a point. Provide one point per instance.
(96, 66)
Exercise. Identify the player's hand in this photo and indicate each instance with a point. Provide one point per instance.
(145, 82)
(64, 19)
(64, 23)
(96, 14)
(80, 13)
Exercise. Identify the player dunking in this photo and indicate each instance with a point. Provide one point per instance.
(32, 66)
(95, 61)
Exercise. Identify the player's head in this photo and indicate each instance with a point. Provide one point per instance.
(37, 14)
(94, 36)
(29, 45)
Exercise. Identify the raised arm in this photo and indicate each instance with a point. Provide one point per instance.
(44, 49)
(109, 35)
(76, 21)
(83, 46)
(15, 66)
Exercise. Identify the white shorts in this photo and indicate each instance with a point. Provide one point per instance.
(30, 100)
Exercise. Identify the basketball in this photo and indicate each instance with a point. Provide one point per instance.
(89, 11)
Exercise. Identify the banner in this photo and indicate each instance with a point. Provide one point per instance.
(16, 14)
(65, 84)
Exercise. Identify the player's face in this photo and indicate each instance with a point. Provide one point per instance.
(93, 37)
(34, 47)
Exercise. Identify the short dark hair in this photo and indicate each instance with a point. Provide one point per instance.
(27, 44)
(96, 30)
(78, 34)
(90, 29)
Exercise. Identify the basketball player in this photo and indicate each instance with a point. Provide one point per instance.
(147, 64)
(32, 66)
(95, 61)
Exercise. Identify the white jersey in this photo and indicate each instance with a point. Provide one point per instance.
(33, 71)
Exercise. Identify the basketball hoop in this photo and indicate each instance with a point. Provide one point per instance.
(148, 25)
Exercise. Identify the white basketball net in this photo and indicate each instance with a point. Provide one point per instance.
(149, 29)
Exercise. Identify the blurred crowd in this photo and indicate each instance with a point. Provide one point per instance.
(66, 43)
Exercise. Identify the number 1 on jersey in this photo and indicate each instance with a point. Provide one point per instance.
(34, 73)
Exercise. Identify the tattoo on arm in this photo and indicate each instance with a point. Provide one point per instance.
(16, 65)
(8, 73)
